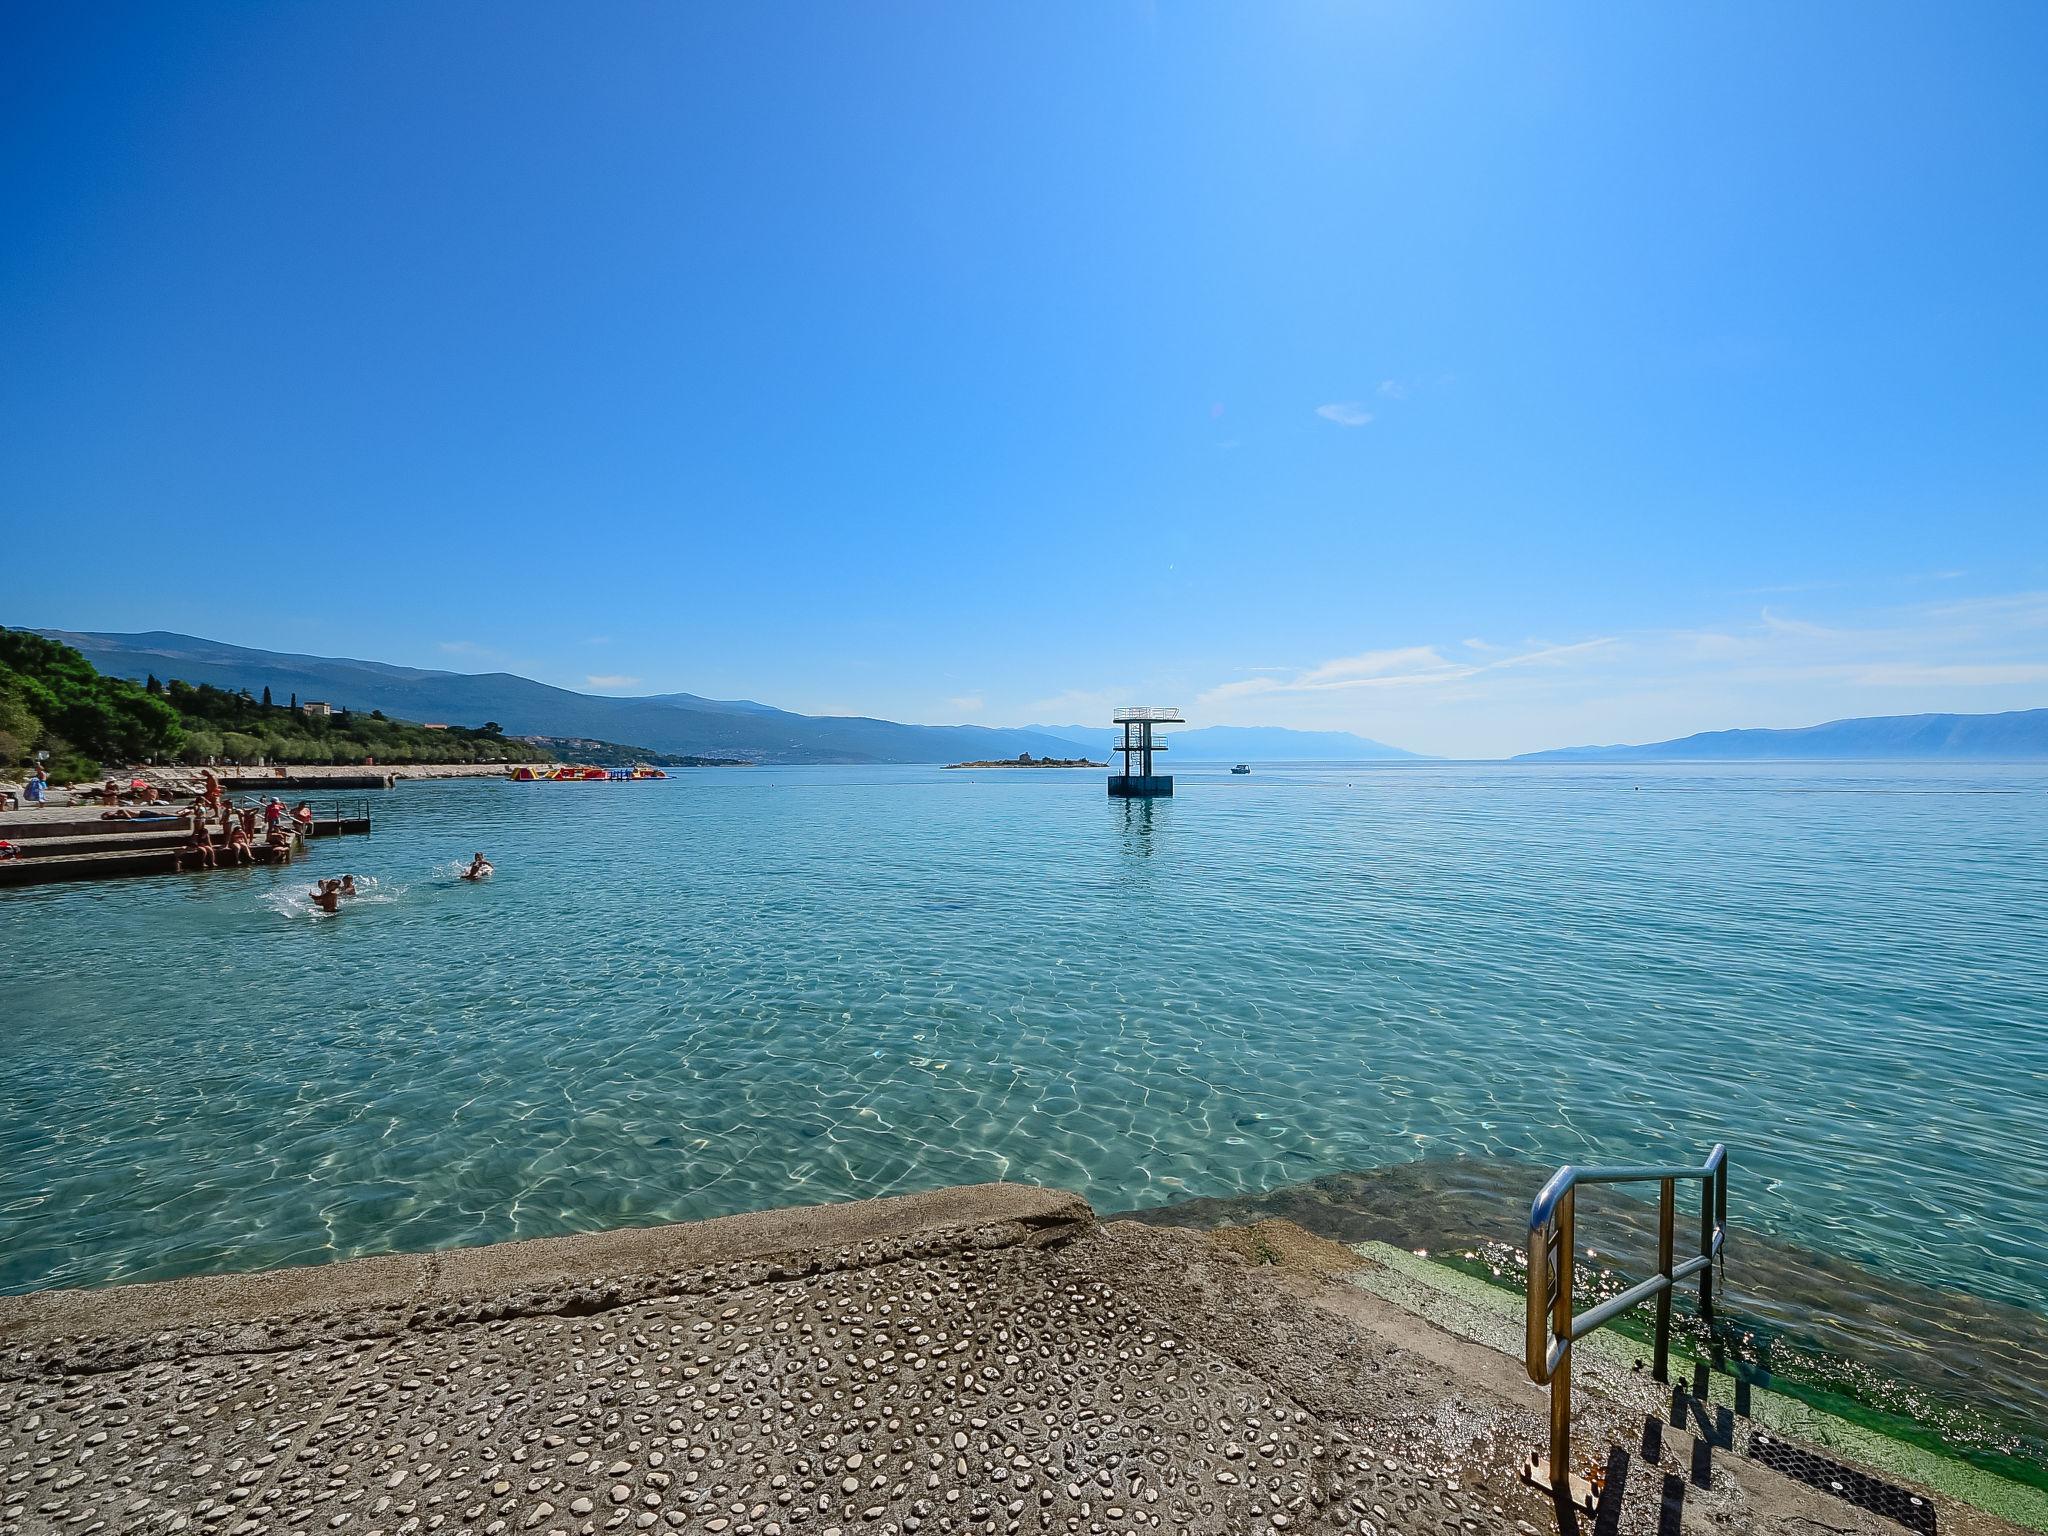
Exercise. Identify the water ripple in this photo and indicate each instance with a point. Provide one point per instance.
(746, 988)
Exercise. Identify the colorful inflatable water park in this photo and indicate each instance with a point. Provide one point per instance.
(525, 774)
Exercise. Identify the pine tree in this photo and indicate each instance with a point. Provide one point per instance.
(152, 686)
(266, 696)
(295, 703)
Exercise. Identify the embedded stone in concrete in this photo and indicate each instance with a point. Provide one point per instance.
(987, 1360)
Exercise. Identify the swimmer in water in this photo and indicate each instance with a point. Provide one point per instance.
(479, 869)
(348, 886)
(327, 896)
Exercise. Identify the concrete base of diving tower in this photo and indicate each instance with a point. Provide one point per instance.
(1140, 786)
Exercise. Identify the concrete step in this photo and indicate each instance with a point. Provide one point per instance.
(113, 842)
(35, 826)
(121, 862)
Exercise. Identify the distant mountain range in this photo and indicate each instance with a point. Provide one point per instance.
(2016, 734)
(1248, 743)
(687, 724)
(670, 723)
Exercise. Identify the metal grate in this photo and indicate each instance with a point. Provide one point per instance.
(1859, 1488)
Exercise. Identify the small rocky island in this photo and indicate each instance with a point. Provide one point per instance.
(1026, 760)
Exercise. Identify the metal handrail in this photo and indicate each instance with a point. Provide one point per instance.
(1552, 1327)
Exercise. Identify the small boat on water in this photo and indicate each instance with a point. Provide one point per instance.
(1242, 768)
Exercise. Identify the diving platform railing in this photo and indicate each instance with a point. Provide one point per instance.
(1553, 1327)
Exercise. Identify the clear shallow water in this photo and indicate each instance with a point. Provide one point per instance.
(757, 987)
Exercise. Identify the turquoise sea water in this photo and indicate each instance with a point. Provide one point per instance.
(755, 987)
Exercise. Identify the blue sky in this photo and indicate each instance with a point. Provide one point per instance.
(1478, 377)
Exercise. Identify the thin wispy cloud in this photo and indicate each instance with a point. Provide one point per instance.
(465, 648)
(1393, 389)
(1415, 666)
(967, 703)
(606, 682)
(1346, 413)
(1919, 674)
(2028, 610)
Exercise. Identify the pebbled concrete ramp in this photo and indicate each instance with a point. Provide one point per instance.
(987, 1359)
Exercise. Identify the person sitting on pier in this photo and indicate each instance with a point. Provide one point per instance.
(200, 848)
(479, 869)
(240, 844)
(248, 815)
(302, 818)
(277, 845)
(327, 895)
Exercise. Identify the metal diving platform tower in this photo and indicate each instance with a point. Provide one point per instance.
(1137, 743)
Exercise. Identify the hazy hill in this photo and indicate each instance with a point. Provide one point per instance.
(679, 723)
(2020, 733)
(1246, 743)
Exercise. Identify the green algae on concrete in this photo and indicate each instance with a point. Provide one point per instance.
(1491, 1314)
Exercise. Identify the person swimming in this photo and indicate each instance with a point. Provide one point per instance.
(348, 886)
(479, 869)
(327, 896)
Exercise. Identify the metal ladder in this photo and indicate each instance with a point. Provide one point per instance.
(1552, 1327)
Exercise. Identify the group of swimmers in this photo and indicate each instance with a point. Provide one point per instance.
(328, 895)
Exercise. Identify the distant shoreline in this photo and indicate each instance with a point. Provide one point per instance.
(1027, 761)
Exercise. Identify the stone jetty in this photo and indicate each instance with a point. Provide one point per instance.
(987, 1359)
(57, 846)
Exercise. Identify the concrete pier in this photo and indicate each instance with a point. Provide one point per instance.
(987, 1359)
(369, 778)
(105, 850)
